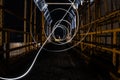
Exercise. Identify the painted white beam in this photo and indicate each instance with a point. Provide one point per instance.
(59, 3)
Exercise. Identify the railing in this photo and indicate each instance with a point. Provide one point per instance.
(27, 42)
(104, 34)
(6, 44)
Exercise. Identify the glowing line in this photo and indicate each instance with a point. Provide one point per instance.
(73, 45)
(68, 33)
(29, 69)
(63, 20)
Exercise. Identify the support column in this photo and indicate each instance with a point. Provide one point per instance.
(106, 6)
(25, 22)
(35, 35)
(91, 40)
(114, 53)
(43, 37)
(94, 28)
(7, 46)
(31, 11)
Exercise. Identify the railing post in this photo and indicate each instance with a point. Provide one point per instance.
(106, 6)
(28, 36)
(31, 11)
(25, 22)
(35, 34)
(114, 52)
(42, 28)
(7, 46)
(91, 40)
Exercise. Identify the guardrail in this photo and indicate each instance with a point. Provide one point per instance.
(5, 33)
(104, 34)
(6, 43)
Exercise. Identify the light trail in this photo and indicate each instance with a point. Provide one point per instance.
(31, 66)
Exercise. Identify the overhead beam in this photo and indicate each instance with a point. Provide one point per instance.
(43, 7)
(59, 3)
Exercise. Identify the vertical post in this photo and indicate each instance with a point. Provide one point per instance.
(28, 39)
(35, 25)
(40, 25)
(89, 13)
(1, 21)
(7, 38)
(114, 53)
(99, 10)
(95, 24)
(31, 10)
(42, 36)
(91, 40)
(94, 10)
(106, 6)
(25, 22)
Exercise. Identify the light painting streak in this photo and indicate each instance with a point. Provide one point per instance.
(31, 66)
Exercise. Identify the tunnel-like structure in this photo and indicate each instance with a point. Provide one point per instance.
(84, 30)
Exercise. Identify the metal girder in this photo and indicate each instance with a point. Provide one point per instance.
(104, 24)
(43, 7)
(59, 3)
(104, 48)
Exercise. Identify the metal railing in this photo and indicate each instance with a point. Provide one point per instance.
(104, 34)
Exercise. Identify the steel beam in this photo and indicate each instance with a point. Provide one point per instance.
(103, 48)
(59, 3)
